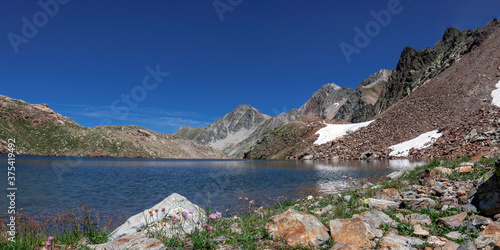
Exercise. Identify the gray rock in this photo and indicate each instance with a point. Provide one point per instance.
(467, 245)
(468, 208)
(395, 175)
(395, 241)
(382, 204)
(221, 239)
(174, 205)
(487, 197)
(454, 235)
(138, 241)
(375, 217)
(480, 220)
(418, 219)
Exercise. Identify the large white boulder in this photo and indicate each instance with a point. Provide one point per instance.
(167, 218)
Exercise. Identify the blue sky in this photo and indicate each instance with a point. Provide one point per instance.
(86, 56)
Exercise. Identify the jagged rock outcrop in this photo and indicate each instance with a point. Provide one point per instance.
(326, 102)
(359, 106)
(416, 67)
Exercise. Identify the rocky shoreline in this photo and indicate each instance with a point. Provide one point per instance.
(441, 205)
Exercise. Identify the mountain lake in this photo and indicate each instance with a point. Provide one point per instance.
(49, 184)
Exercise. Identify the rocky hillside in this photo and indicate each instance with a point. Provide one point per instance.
(447, 88)
(38, 130)
(235, 132)
(416, 67)
(456, 100)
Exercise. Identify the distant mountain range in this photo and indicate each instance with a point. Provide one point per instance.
(431, 89)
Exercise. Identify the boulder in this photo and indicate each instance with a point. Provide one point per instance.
(490, 236)
(487, 197)
(353, 231)
(419, 203)
(382, 204)
(139, 241)
(390, 194)
(375, 217)
(394, 241)
(298, 229)
(164, 214)
(451, 222)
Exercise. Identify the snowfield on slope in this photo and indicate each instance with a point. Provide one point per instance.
(496, 95)
(422, 141)
(334, 131)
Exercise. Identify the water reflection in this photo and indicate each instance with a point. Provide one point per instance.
(48, 184)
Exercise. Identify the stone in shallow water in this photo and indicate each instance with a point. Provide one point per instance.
(298, 229)
(174, 206)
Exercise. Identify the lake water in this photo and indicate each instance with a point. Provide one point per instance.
(50, 184)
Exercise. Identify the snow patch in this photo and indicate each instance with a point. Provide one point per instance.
(496, 95)
(422, 141)
(334, 131)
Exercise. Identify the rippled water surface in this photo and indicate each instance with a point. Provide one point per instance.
(49, 184)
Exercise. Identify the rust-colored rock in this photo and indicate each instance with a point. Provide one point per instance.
(490, 236)
(451, 222)
(354, 231)
(298, 229)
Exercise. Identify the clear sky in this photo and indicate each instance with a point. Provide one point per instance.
(84, 58)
